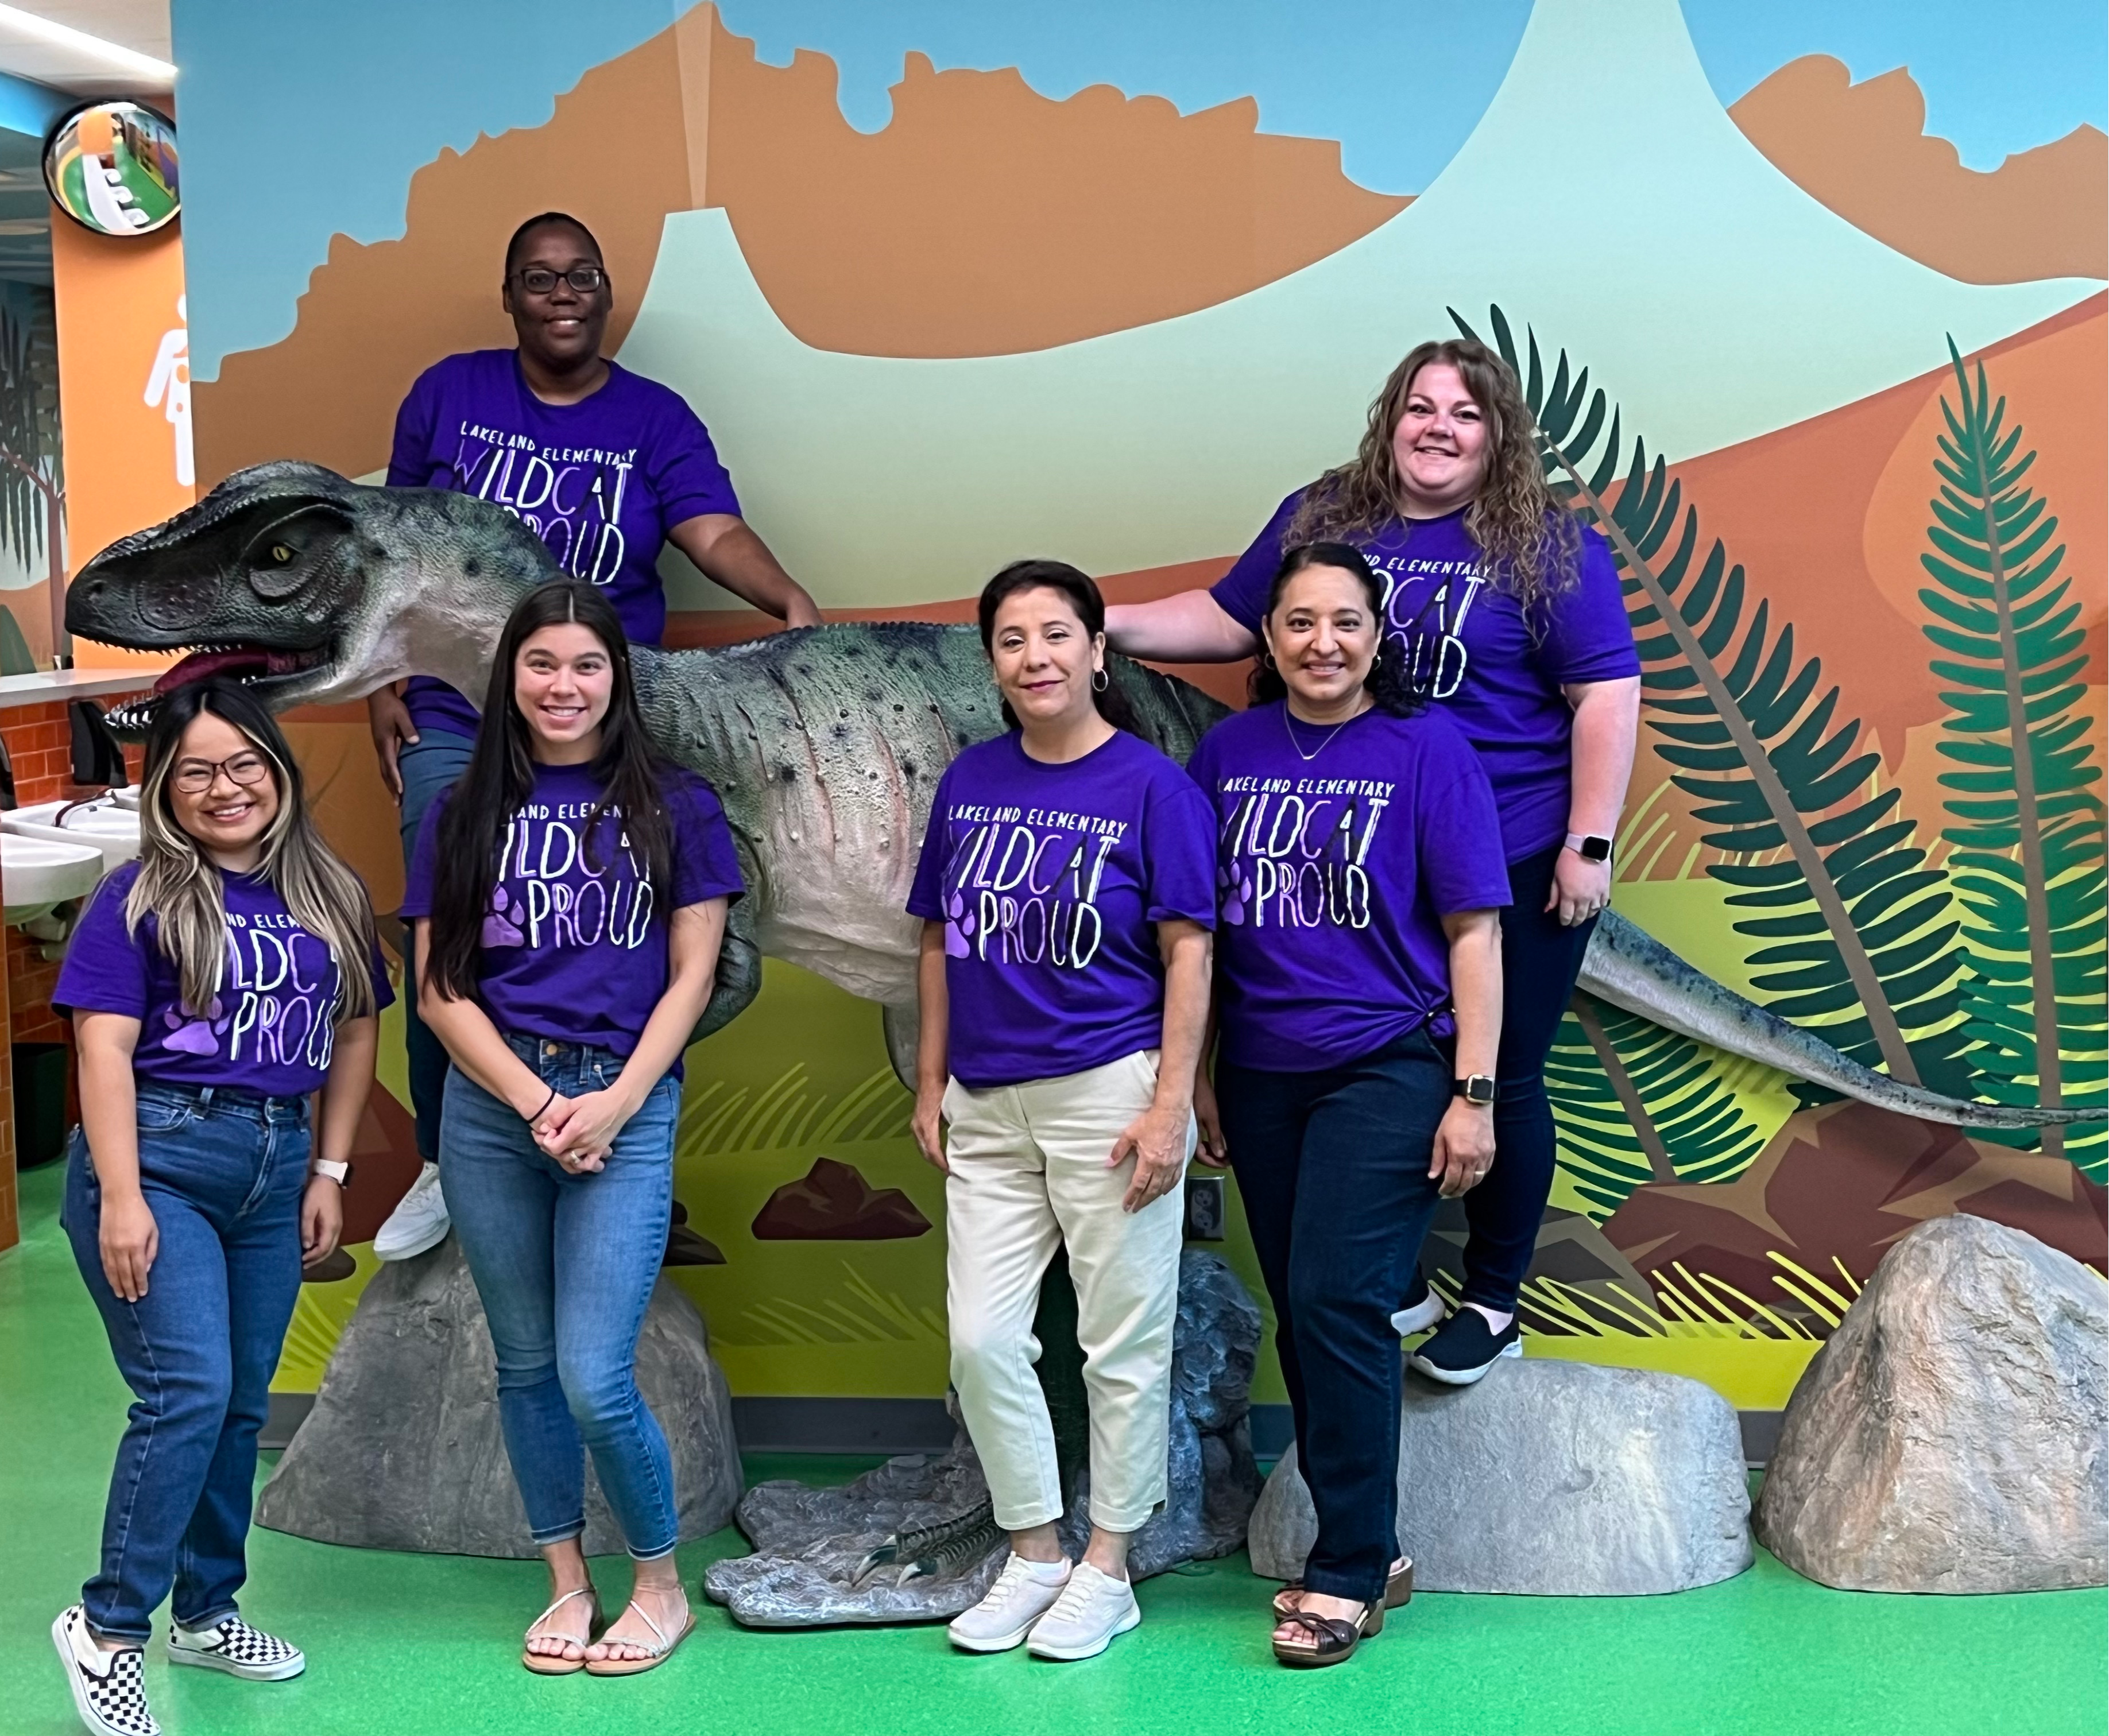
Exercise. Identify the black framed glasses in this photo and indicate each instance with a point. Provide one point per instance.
(538, 280)
(195, 777)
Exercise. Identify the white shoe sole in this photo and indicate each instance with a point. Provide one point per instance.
(1461, 1376)
(1001, 1643)
(1428, 1312)
(283, 1671)
(1090, 1647)
(88, 1715)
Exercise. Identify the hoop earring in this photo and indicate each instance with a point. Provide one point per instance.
(1265, 658)
(1100, 681)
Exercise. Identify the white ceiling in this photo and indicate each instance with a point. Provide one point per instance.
(139, 25)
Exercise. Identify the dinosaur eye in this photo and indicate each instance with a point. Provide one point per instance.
(281, 553)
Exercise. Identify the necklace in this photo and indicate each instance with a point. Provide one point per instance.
(1288, 723)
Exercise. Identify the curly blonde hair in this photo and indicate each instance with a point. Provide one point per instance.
(1530, 543)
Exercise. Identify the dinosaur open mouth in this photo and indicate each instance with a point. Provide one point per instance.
(244, 663)
(250, 664)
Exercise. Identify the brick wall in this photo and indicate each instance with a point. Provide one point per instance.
(40, 745)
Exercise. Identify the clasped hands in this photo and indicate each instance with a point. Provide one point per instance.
(577, 1132)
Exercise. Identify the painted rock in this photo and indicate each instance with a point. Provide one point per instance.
(403, 1451)
(1559, 1479)
(1947, 1438)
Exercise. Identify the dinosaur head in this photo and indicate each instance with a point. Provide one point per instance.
(311, 588)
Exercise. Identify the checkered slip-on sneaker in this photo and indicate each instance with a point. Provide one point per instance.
(109, 1687)
(234, 1645)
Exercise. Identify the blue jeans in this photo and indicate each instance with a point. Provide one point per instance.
(428, 766)
(1333, 1168)
(223, 1172)
(566, 1264)
(1540, 961)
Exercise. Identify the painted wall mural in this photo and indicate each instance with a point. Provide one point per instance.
(1834, 381)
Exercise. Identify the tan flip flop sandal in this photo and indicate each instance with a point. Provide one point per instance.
(654, 1656)
(543, 1664)
(1398, 1589)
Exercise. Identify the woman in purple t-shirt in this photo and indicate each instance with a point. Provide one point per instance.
(1067, 889)
(1358, 964)
(607, 468)
(567, 901)
(215, 983)
(1507, 614)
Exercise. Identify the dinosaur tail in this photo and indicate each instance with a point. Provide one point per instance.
(1631, 969)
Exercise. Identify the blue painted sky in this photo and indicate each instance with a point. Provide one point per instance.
(303, 120)
(1999, 75)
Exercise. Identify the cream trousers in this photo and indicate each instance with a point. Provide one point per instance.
(1029, 1174)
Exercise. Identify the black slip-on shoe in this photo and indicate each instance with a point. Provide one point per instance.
(1464, 1349)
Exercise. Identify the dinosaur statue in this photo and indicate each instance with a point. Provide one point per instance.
(824, 744)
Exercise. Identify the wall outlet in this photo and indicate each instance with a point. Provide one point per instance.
(1205, 1210)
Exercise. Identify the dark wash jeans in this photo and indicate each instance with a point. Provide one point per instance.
(224, 1172)
(565, 1265)
(1333, 1169)
(1540, 961)
(428, 767)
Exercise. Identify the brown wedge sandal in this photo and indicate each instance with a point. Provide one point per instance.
(1398, 1592)
(542, 1663)
(1334, 1640)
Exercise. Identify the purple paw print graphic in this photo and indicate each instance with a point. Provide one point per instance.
(194, 1036)
(501, 927)
(959, 927)
(1237, 888)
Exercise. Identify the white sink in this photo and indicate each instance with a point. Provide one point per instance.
(104, 824)
(36, 873)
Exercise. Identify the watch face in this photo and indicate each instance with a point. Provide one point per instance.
(1595, 849)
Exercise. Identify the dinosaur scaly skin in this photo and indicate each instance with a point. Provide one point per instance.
(824, 744)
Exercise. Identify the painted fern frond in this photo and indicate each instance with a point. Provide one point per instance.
(2027, 819)
(1856, 932)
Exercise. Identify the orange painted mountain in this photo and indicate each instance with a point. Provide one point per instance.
(1863, 150)
(984, 220)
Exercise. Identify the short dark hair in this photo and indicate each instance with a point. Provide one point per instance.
(549, 220)
(1387, 681)
(1084, 602)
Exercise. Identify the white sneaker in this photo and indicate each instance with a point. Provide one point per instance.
(418, 1222)
(233, 1645)
(1094, 1608)
(1023, 1593)
(109, 1687)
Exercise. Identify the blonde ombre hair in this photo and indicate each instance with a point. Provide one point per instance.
(180, 887)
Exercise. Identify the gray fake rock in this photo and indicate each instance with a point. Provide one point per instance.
(809, 1543)
(1948, 1435)
(403, 1451)
(1559, 1479)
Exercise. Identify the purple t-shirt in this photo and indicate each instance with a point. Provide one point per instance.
(270, 1029)
(1337, 855)
(1470, 649)
(575, 943)
(1049, 880)
(601, 482)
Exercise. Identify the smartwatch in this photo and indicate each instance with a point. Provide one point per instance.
(1475, 1088)
(1591, 848)
(339, 1173)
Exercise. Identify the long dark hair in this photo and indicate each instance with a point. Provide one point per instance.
(1387, 680)
(1085, 603)
(180, 887)
(631, 772)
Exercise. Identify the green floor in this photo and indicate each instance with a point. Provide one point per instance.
(423, 1645)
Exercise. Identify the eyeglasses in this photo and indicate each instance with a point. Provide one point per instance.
(195, 777)
(538, 280)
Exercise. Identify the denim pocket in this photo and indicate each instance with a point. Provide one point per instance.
(160, 1114)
